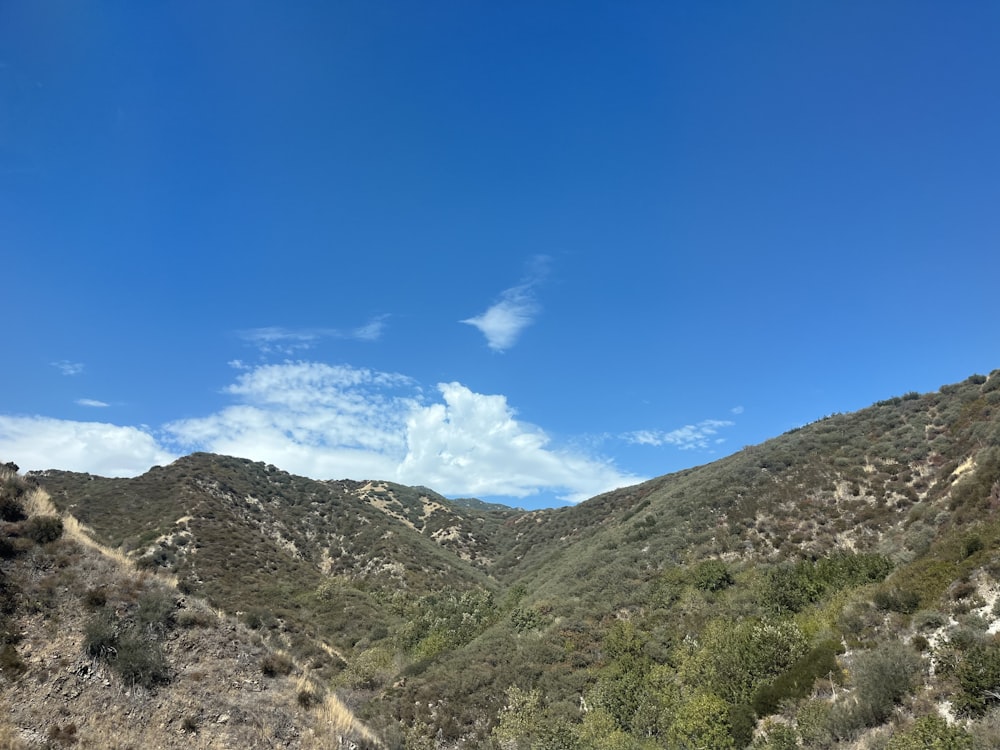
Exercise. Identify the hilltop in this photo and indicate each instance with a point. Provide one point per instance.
(832, 587)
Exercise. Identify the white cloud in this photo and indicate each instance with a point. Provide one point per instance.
(68, 368)
(472, 445)
(319, 420)
(503, 323)
(370, 331)
(106, 449)
(91, 402)
(736, 410)
(332, 422)
(688, 437)
(288, 341)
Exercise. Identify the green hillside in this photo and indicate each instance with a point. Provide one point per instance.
(834, 587)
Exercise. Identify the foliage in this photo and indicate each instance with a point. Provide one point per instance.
(711, 575)
(882, 677)
(798, 680)
(978, 676)
(702, 723)
(931, 733)
(736, 658)
(44, 529)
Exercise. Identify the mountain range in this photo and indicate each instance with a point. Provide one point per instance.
(833, 587)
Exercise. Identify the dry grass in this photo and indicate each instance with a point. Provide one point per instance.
(38, 503)
(334, 719)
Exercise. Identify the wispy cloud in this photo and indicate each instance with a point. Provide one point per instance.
(288, 341)
(68, 368)
(91, 402)
(517, 309)
(736, 410)
(688, 437)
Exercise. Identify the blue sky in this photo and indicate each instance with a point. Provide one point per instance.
(523, 251)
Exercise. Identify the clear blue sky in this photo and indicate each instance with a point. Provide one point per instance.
(524, 251)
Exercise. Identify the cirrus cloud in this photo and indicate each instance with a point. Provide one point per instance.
(688, 437)
(517, 309)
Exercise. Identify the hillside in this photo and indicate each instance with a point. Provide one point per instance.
(832, 587)
(98, 654)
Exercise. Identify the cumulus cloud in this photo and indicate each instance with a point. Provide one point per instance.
(517, 309)
(68, 368)
(472, 444)
(689, 437)
(95, 447)
(332, 422)
(91, 402)
(336, 421)
(289, 341)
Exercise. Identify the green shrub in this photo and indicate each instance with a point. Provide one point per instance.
(797, 681)
(930, 733)
(978, 675)
(156, 610)
(882, 677)
(140, 661)
(711, 575)
(100, 636)
(44, 529)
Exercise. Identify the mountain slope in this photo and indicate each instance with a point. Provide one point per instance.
(685, 608)
(97, 654)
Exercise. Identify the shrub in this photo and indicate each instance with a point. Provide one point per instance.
(140, 661)
(195, 618)
(100, 636)
(275, 664)
(978, 675)
(44, 529)
(12, 665)
(930, 733)
(95, 598)
(11, 505)
(882, 678)
(156, 610)
(798, 680)
(711, 575)
(776, 736)
(702, 723)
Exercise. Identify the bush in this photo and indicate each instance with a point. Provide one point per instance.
(12, 665)
(712, 575)
(156, 611)
(100, 636)
(44, 529)
(275, 664)
(882, 678)
(978, 675)
(931, 733)
(797, 682)
(140, 661)
(11, 505)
